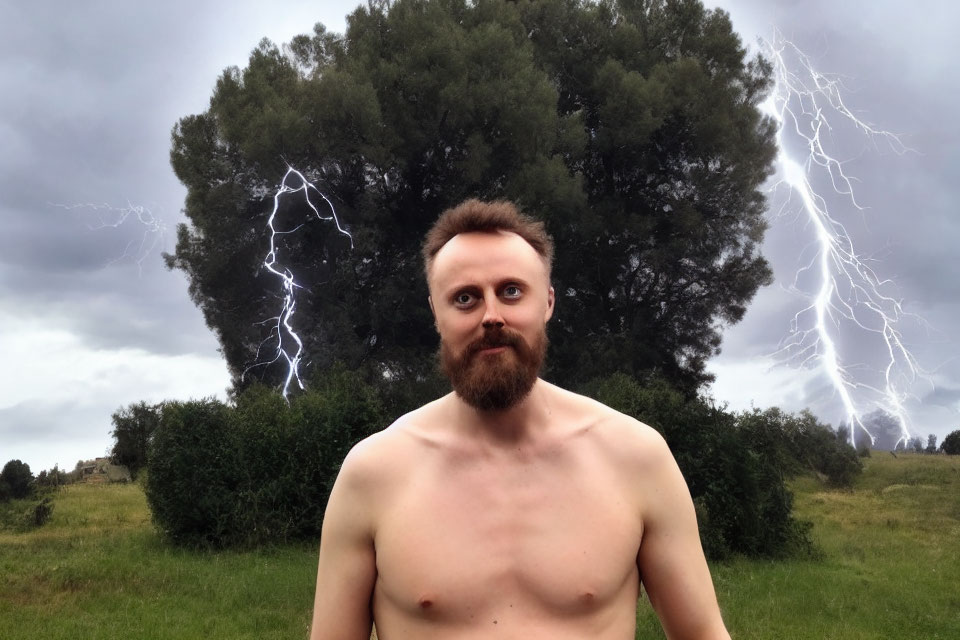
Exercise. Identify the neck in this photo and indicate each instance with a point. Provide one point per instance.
(522, 423)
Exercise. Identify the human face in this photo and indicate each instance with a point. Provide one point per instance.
(490, 298)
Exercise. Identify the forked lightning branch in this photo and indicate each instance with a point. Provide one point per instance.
(288, 346)
(850, 295)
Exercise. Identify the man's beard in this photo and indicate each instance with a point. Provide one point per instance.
(498, 381)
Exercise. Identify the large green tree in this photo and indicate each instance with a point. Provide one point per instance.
(631, 127)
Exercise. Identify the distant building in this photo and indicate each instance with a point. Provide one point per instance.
(102, 470)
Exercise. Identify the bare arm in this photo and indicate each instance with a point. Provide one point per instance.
(671, 562)
(347, 569)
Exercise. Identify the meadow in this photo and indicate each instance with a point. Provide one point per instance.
(98, 570)
(886, 566)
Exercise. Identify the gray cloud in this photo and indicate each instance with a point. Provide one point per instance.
(944, 397)
(91, 91)
(44, 421)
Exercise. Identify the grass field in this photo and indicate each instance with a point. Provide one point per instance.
(888, 568)
(889, 565)
(97, 570)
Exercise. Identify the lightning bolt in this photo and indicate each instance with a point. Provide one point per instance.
(111, 217)
(282, 326)
(806, 106)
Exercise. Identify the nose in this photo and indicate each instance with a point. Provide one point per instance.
(492, 317)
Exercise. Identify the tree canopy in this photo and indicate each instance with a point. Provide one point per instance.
(133, 429)
(631, 127)
(16, 480)
(951, 444)
(885, 428)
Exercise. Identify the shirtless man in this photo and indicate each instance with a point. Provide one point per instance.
(509, 508)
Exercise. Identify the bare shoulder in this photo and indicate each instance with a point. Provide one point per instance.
(381, 459)
(621, 436)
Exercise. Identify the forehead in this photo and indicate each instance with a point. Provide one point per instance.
(472, 258)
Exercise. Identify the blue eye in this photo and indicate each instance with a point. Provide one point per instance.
(463, 299)
(512, 291)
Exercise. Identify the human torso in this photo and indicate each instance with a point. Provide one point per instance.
(536, 542)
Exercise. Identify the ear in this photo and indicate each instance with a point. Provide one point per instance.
(434, 312)
(550, 301)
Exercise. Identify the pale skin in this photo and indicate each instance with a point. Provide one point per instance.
(535, 522)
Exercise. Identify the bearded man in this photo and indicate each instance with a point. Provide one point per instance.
(509, 508)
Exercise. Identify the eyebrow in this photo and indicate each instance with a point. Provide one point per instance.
(453, 290)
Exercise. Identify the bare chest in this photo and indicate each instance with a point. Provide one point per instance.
(466, 538)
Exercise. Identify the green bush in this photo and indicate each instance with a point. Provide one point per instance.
(951, 444)
(735, 476)
(194, 474)
(802, 444)
(269, 466)
(263, 426)
(23, 514)
(17, 480)
(42, 512)
(329, 421)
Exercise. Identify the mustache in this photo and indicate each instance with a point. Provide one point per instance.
(492, 338)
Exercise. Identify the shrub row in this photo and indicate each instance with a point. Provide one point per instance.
(801, 444)
(736, 464)
(260, 471)
(257, 472)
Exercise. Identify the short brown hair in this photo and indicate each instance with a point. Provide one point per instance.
(486, 217)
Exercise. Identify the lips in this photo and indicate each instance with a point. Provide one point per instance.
(492, 350)
(493, 342)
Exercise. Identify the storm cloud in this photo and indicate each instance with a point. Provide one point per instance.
(92, 90)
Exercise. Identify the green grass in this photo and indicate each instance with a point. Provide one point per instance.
(888, 567)
(98, 570)
(889, 564)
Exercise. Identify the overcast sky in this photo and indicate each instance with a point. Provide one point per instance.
(88, 96)
(897, 68)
